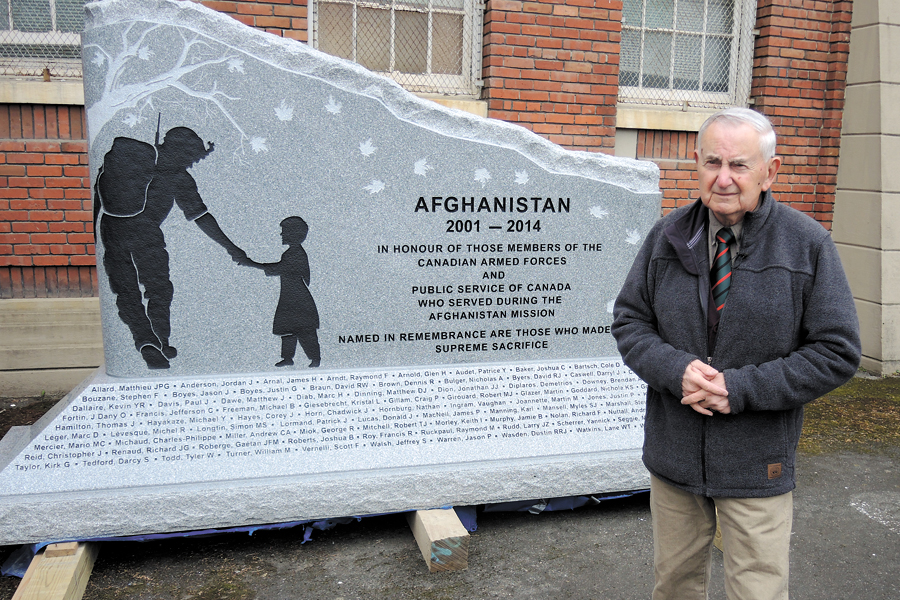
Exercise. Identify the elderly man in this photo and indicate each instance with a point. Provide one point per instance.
(736, 313)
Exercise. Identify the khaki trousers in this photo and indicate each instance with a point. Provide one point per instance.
(756, 535)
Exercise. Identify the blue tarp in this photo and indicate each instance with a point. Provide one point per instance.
(18, 561)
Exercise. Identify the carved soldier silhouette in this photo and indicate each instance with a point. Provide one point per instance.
(296, 318)
(136, 188)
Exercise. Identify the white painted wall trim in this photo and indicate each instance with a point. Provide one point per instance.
(470, 105)
(22, 91)
(631, 117)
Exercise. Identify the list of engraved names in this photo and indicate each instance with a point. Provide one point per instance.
(508, 410)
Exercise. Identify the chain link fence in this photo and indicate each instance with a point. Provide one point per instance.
(686, 52)
(41, 38)
(424, 45)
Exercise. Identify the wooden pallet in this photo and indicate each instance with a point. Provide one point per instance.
(60, 572)
(443, 540)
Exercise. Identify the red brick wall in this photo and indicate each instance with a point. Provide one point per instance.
(799, 77)
(286, 18)
(673, 152)
(553, 67)
(46, 235)
(48, 282)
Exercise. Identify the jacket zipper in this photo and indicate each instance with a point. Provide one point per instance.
(703, 445)
(709, 359)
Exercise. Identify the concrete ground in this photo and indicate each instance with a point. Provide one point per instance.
(846, 545)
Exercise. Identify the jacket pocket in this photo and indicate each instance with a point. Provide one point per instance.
(672, 447)
(742, 452)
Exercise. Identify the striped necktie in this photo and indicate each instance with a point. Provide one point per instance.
(720, 275)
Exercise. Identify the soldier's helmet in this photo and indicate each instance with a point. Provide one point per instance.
(186, 143)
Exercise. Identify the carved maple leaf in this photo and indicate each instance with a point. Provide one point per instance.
(482, 176)
(374, 187)
(599, 212)
(284, 112)
(366, 147)
(333, 107)
(132, 119)
(421, 167)
(258, 144)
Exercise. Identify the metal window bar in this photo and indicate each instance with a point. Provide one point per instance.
(673, 34)
(327, 31)
(702, 46)
(355, 31)
(634, 85)
(429, 53)
(41, 37)
(392, 42)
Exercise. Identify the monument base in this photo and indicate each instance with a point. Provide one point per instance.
(229, 504)
(125, 484)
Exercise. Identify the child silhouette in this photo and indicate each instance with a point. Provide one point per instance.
(296, 317)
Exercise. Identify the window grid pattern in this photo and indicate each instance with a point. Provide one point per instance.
(41, 37)
(686, 52)
(424, 45)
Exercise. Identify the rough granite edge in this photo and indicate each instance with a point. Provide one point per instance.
(18, 438)
(111, 512)
(134, 511)
(641, 177)
(131, 511)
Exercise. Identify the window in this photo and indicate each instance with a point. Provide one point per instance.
(428, 46)
(687, 52)
(41, 37)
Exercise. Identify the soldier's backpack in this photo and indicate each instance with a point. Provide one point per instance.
(121, 186)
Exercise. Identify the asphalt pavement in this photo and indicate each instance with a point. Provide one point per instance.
(846, 545)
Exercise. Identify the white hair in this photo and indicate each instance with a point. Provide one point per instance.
(744, 116)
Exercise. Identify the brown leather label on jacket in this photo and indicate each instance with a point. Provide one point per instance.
(775, 471)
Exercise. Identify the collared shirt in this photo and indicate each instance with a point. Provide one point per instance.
(713, 229)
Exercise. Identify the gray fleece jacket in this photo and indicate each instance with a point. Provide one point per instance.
(787, 335)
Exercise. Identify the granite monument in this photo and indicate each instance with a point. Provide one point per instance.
(323, 296)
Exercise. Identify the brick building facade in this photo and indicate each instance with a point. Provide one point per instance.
(46, 235)
(552, 67)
